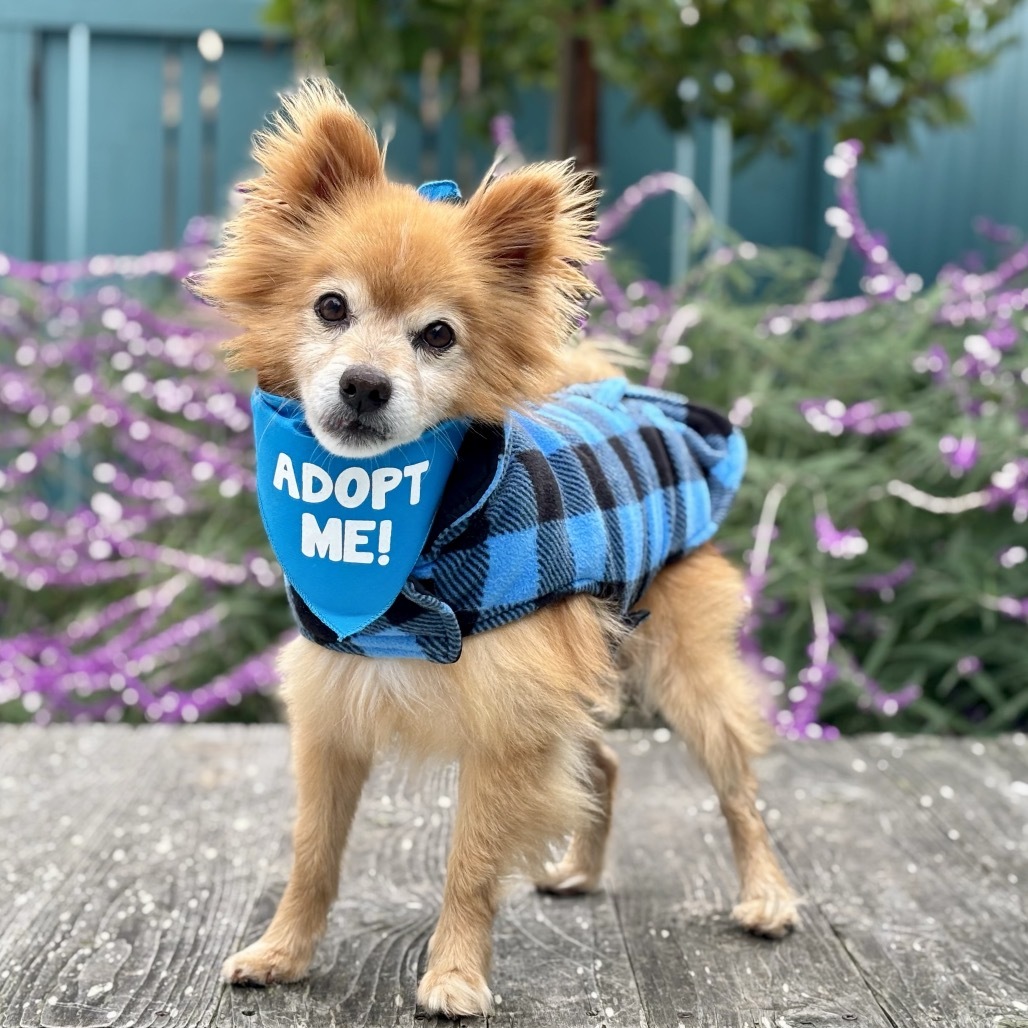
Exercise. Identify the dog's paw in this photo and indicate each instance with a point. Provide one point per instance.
(263, 964)
(772, 912)
(453, 994)
(567, 878)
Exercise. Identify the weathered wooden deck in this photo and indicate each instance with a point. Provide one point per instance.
(133, 861)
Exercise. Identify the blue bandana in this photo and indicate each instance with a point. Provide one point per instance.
(347, 531)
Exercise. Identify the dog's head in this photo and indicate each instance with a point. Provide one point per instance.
(386, 313)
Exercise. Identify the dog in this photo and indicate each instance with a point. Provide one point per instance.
(380, 314)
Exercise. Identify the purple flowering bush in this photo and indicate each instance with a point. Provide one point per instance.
(135, 579)
(883, 517)
(881, 524)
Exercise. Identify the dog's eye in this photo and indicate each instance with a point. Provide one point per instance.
(332, 308)
(437, 336)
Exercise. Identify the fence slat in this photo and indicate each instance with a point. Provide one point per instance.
(771, 194)
(631, 146)
(189, 148)
(78, 141)
(17, 112)
(126, 145)
(54, 146)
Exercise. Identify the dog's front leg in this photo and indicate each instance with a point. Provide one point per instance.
(500, 809)
(329, 778)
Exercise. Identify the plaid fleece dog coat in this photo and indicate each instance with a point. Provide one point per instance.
(592, 492)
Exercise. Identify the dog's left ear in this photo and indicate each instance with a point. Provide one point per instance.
(537, 223)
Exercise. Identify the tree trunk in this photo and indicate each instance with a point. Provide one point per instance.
(577, 114)
(430, 111)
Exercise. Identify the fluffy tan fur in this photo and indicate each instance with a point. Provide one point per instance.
(509, 261)
(518, 710)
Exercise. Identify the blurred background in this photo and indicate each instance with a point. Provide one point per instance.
(815, 213)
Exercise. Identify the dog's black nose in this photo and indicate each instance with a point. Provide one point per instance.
(364, 388)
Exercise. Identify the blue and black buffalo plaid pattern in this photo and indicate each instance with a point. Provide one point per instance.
(591, 492)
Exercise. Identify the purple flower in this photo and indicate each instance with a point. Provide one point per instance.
(885, 584)
(1012, 607)
(969, 665)
(502, 130)
(935, 360)
(1012, 556)
(151, 380)
(1001, 335)
(990, 230)
(960, 455)
(863, 418)
(1009, 485)
(846, 543)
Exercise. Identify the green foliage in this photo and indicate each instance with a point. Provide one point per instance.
(939, 629)
(373, 48)
(874, 68)
(114, 515)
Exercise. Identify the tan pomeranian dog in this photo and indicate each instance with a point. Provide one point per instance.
(384, 314)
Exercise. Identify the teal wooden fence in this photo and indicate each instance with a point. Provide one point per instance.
(116, 129)
(928, 198)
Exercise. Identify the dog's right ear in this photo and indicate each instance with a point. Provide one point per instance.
(317, 149)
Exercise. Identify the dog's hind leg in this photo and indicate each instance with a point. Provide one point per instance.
(582, 866)
(690, 670)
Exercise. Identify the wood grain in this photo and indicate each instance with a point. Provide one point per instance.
(937, 939)
(674, 884)
(133, 861)
(147, 876)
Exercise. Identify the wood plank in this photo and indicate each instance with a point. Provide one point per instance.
(129, 936)
(937, 941)
(57, 798)
(674, 885)
(969, 790)
(377, 929)
(1012, 752)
